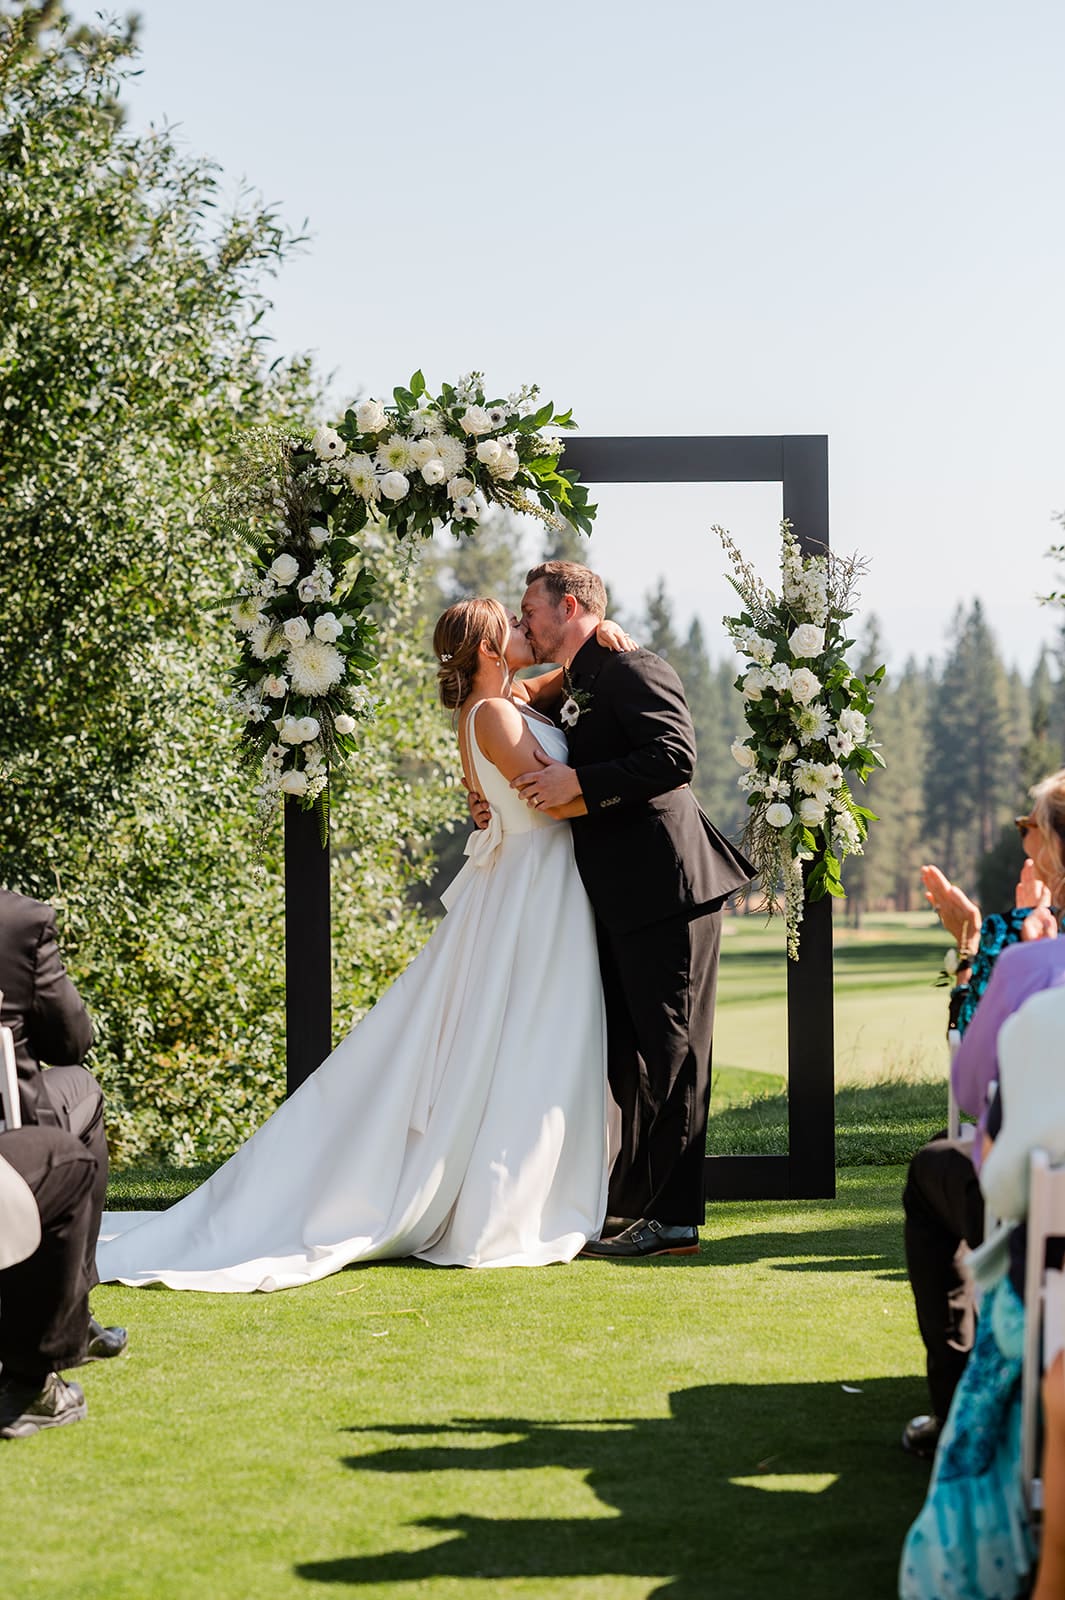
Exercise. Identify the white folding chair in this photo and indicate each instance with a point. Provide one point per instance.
(10, 1111)
(961, 1132)
(1044, 1307)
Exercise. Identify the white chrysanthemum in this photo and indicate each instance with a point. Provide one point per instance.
(327, 444)
(743, 754)
(315, 667)
(266, 639)
(359, 471)
(247, 613)
(452, 453)
(810, 776)
(424, 420)
(393, 455)
(811, 723)
(778, 815)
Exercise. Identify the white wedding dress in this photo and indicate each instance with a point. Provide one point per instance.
(463, 1120)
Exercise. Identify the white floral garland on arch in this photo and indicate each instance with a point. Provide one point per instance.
(299, 498)
(808, 718)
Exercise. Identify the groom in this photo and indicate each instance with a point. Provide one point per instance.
(657, 873)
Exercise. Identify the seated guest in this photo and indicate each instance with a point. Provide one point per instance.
(972, 1537)
(49, 1023)
(1050, 1581)
(943, 1206)
(47, 1216)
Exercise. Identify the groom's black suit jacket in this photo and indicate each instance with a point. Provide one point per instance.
(646, 850)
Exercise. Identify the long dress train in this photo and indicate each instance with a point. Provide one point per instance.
(463, 1120)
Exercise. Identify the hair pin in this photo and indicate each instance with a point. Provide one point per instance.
(445, 655)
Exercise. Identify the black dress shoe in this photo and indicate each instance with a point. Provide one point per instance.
(104, 1342)
(921, 1435)
(645, 1238)
(26, 1408)
(612, 1226)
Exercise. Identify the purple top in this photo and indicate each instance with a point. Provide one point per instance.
(1020, 971)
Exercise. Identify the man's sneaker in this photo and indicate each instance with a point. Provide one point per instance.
(26, 1408)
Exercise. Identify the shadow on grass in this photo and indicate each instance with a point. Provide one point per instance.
(743, 1491)
(870, 1247)
(877, 1124)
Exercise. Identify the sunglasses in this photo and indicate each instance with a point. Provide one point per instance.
(1022, 824)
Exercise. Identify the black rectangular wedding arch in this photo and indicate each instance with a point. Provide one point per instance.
(799, 463)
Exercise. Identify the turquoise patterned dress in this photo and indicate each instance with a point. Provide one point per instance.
(971, 1540)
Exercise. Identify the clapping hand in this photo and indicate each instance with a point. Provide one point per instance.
(958, 914)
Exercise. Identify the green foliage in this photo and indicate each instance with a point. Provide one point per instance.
(131, 351)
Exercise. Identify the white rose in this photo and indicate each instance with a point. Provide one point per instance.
(394, 485)
(811, 811)
(309, 728)
(328, 628)
(275, 687)
(475, 419)
(422, 450)
(489, 451)
(434, 470)
(460, 488)
(743, 753)
(853, 722)
(297, 630)
(754, 684)
(344, 724)
(284, 569)
(370, 416)
(328, 445)
(320, 536)
(807, 640)
(289, 731)
(294, 783)
(507, 466)
(788, 751)
(804, 686)
(778, 815)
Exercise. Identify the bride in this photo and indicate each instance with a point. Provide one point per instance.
(463, 1120)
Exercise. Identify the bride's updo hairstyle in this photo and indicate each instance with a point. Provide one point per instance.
(457, 639)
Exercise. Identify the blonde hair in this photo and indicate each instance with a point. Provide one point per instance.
(1048, 814)
(457, 639)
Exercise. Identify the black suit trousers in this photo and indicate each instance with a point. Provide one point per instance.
(944, 1211)
(77, 1101)
(660, 983)
(44, 1300)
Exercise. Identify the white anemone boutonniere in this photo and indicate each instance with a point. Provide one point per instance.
(576, 703)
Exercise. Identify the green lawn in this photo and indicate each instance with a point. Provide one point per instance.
(720, 1426)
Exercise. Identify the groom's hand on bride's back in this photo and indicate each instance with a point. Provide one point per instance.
(480, 810)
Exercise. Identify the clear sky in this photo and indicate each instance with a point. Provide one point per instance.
(687, 217)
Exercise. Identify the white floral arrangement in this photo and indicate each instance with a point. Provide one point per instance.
(808, 718)
(301, 501)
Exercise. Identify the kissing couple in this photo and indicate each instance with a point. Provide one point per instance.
(464, 1119)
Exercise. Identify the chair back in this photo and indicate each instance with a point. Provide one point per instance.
(1046, 1220)
(10, 1110)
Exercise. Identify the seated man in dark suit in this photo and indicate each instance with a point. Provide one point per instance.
(47, 1216)
(49, 1023)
